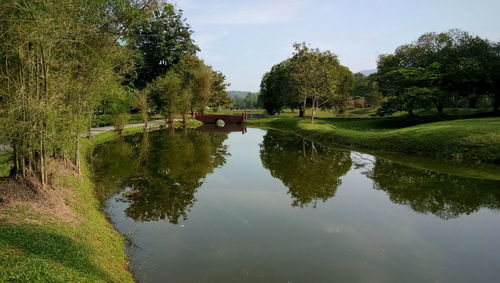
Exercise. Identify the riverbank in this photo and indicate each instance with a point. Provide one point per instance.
(60, 234)
(473, 140)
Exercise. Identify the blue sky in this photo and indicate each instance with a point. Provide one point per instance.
(244, 39)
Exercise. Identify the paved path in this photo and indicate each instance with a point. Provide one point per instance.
(151, 124)
(5, 148)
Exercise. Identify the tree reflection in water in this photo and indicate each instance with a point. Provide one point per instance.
(310, 171)
(163, 172)
(443, 195)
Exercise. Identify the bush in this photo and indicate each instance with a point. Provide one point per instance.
(119, 121)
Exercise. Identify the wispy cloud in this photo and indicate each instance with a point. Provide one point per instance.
(257, 12)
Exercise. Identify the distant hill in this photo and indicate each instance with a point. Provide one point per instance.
(235, 93)
(368, 72)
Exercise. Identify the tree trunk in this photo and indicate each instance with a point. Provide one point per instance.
(314, 108)
(440, 109)
(410, 112)
(184, 120)
(472, 101)
(496, 104)
(89, 135)
(304, 107)
(301, 111)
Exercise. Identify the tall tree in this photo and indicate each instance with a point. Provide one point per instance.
(57, 60)
(318, 76)
(160, 41)
(219, 97)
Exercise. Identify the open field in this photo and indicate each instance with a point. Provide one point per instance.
(365, 112)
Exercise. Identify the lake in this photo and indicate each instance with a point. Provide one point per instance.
(250, 205)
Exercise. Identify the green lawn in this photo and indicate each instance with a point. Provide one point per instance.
(471, 139)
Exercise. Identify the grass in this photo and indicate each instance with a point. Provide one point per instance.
(5, 165)
(46, 249)
(51, 250)
(476, 140)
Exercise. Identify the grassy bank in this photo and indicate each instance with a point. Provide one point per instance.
(73, 243)
(62, 235)
(475, 140)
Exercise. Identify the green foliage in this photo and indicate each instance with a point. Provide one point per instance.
(310, 75)
(442, 69)
(160, 40)
(220, 97)
(119, 120)
(249, 101)
(167, 90)
(59, 61)
(366, 87)
(275, 92)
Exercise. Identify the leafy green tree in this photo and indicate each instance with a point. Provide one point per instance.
(202, 87)
(466, 67)
(167, 89)
(318, 76)
(142, 103)
(219, 98)
(58, 59)
(408, 88)
(160, 41)
(366, 87)
(275, 92)
(310, 76)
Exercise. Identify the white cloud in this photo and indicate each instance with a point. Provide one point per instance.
(267, 12)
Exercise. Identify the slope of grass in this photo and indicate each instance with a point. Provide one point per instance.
(37, 247)
(48, 249)
(471, 139)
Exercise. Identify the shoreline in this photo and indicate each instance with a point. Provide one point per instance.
(380, 144)
(61, 234)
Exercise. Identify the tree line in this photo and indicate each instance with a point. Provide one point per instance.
(454, 68)
(451, 69)
(64, 61)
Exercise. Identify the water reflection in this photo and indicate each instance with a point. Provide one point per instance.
(443, 195)
(162, 174)
(310, 171)
(240, 217)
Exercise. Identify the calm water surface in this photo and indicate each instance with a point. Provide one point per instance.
(263, 206)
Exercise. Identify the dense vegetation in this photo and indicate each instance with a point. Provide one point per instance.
(245, 100)
(453, 69)
(310, 78)
(440, 70)
(64, 62)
